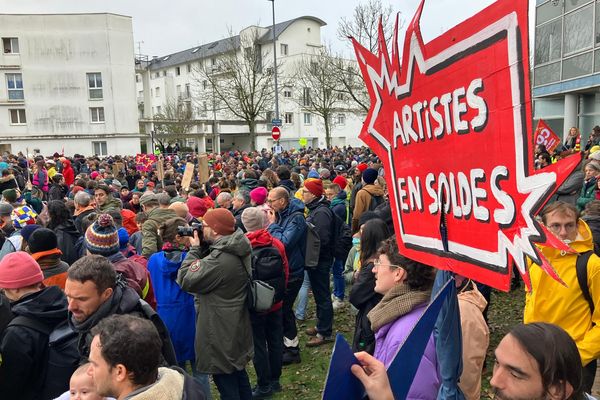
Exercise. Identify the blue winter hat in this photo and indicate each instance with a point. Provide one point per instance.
(369, 175)
(313, 174)
(123, 238)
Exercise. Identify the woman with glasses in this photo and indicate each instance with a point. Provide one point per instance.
(406, 288)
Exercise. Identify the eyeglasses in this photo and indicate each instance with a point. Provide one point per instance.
(377, 263)
(274, 200)
(571, 226)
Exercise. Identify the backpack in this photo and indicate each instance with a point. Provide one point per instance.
(267, 266)
(581, 269)
(61, 357)
(375, 202)
(342, 237)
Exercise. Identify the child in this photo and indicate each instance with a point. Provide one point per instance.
(81, 386)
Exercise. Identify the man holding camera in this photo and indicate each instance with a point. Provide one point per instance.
(219, 281)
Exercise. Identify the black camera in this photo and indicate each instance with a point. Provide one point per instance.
(189, 230)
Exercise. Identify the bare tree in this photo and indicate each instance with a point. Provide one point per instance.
(175, 120)
(320, 89)
(240, 83)
(363, 26)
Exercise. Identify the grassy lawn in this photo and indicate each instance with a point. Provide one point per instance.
(307, 379)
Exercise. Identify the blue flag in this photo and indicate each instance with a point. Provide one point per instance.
(341, 382)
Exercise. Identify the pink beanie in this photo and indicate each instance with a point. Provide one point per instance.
(259, 195)
(19, 270)
(94, 175)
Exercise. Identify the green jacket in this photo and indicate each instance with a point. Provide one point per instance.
(219, 282)
(587, 194)
(112, 203)
(151, 242)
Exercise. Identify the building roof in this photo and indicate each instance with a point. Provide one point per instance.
(220, 46)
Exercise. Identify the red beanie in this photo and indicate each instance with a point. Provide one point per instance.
(19, 270)
(220, 220)
(341, 181)
(362, 166)
(315, 186)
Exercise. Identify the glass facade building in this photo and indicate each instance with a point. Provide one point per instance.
(566, 64)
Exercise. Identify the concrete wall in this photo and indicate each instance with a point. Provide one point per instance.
(56, 53)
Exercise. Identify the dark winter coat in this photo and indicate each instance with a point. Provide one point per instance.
(321, 216)
(67, 235)
(593, 222)
(339, 206)
(57, 192)
(23, 349)
(290, 229)
(289, 185)
(587, 194)
(237, 214)
(79, 218)
(248, 184)
(569, 190)
(219, 282)
(7, 182)
(175, 307)
(364, 298)
(124, 300)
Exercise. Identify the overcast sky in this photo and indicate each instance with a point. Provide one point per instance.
(169, 26)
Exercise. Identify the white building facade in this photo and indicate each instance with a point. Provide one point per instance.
(67, 84)
(175, 77)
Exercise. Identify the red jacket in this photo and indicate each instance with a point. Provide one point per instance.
(262, 238)
(68, 173)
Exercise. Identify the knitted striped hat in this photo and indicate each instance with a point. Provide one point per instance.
(102, 237)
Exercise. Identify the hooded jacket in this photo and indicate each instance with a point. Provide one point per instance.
(68, 173)
(290, 229)
(339, 206)
(363, 202)
(23, 349)
(175, 307)
(475, 338)
(66, 236)
(8, 182)
(248, 184)
(54, 269)
(551, 302)
(219, 282)
(277, 279)
(151, 242)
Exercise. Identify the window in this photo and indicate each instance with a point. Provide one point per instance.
(341, 96)
(137, 78)
(17, 117)
(288, 118)
(177, 71)
(97, 115)
(307, 118)
(548, 11)
(158, 109)
(11, 45)
(179, 92)
(577, 66)
(189, 68)
(287, 93)
(341, 119)
(284, 49)
(547, 74)
(204, 85)
(579, 30)
(548, 42)
(306, 96)
(164, 73)
(188, 92)
(156, 74)
(14, 83)
(213, 61)
(99, 148)
(157, 92)
(95, 85)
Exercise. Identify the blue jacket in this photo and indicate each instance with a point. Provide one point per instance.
(174, 306)
(290, 229)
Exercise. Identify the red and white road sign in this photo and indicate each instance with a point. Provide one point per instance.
(276, 133)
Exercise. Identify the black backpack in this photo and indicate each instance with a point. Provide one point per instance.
(61, 357)
(342, 237)
(376, 201)
(581, 269)
(267, 266)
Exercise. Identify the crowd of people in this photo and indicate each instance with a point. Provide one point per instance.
(120, 281)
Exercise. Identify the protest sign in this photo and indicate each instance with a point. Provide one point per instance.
(188, 174)
(203, 168)
(341, 382)
(143, 162)
(452, 126)
(544, 135)
(160, 168)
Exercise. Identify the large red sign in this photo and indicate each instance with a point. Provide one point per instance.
(452, 126)
(275, 133)
(546, 136)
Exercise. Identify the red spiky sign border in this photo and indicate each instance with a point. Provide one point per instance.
(452, 125)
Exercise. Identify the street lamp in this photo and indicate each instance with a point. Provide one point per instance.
(275, 63)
